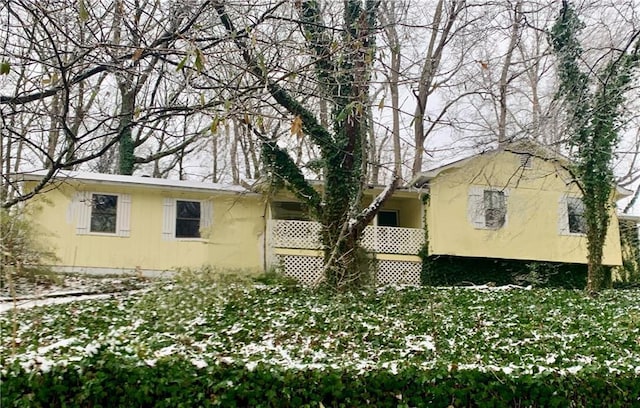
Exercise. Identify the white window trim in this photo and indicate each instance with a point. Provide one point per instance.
(169, 219)
(563, 216)
(82, 204)
(476, 210)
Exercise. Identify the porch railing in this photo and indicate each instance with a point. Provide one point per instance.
(384, 240)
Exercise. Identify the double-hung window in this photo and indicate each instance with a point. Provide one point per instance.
(487, 208)
(495, 209)
(571, 220)
(104, 213)
(571, 216)
(186, 219)
(575, 214)
(101, 213)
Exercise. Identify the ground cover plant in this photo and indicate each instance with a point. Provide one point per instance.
(195, 343)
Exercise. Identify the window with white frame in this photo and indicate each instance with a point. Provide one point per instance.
(186, 219)
(487, 208)
(575, 216)
(571, 220)
(104, 213)
(101, 213)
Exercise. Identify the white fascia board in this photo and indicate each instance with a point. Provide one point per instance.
(136, 181)
(629, 217)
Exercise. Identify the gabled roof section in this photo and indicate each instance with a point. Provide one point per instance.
(521, 146)
(535, 149)
(133, 181)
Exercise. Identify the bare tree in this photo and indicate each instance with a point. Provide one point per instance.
(434, 74)
(63, 80)
(341, 52)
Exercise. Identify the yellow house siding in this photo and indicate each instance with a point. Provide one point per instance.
(238, 232)
(534, 200)
(235, 238)
(409, 211)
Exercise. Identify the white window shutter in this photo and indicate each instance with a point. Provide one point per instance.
(124, 215)
(169, 219)
(563, 216)
(475, 207)
(83, 212)
(506, 193)
(206, 214)
(73, 209)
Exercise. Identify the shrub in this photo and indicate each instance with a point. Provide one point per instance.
(211, 275)
(22, 253)
(451, 270)
(275, 277)
(106, 380)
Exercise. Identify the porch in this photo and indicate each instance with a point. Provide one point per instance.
(295, 247)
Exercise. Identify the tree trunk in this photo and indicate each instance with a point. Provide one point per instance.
(54, 132)
(441, 32)
(255, 160)
(214, 149)
(4, 187)
(374, 162)
(346, 264)
(596, 272)
(593, 128)
(504, 75)
(127, 146)
(395, 104)
(233, 140)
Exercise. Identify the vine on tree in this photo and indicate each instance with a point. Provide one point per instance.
(594, 109)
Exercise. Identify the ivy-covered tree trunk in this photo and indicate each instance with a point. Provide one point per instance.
(593, 105)
(126, 145)
(342, 70)
(344, 161)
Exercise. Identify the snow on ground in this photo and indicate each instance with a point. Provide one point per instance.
(6, 306)
(57, 289)
(516, 331)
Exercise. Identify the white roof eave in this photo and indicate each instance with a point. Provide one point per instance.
(629, 217)
(136, 181)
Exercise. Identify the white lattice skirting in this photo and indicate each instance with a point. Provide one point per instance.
(399, 272)
(305, 269)
(308, 270)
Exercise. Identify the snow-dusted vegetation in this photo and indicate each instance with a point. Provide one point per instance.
(514, 331)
